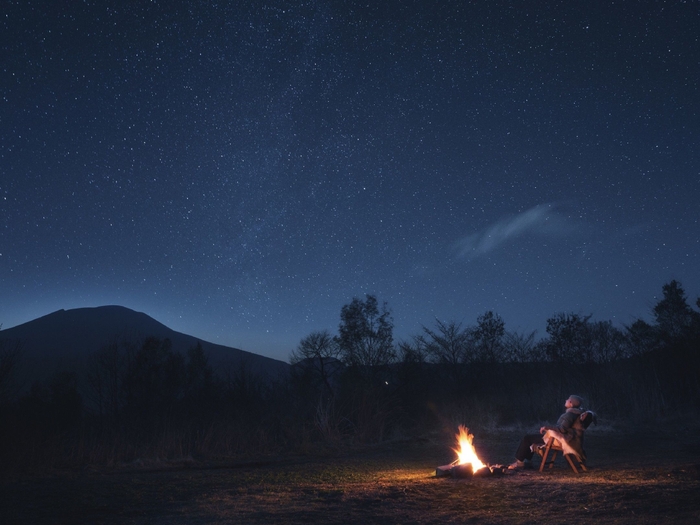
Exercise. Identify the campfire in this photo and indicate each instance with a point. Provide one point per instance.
(467, 463)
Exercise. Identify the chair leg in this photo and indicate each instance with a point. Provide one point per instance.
(546, 454)
(571, 459)
(554, 456)
(571, 463)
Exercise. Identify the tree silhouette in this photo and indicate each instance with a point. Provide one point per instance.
(641, 337)
(447, 344)
(569, 338)
(675, 319)
(317, 354)
(608, 343)
(521, 347)
(105, 377)
(488, 337)
(10, 353)
(66, 403)
(199, 375)
(365, 335)
(154, 382)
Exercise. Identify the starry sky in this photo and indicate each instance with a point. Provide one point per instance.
(241, 170)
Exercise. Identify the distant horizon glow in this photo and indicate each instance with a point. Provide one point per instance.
(277, 345)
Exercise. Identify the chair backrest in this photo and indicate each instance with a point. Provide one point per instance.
(586, 418)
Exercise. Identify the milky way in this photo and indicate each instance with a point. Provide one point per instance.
(240, 170)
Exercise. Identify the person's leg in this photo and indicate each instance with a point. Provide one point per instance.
(524, 452)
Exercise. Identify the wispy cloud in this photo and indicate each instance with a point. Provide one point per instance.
(541, 220)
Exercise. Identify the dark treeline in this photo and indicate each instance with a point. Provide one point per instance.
(145, 401)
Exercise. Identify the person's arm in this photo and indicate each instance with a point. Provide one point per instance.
(564, 423)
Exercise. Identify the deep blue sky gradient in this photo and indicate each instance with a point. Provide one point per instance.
(240, 170)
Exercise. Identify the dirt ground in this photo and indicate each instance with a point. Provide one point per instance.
(637, 477)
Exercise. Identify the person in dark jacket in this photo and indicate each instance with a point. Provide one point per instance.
(566, 429)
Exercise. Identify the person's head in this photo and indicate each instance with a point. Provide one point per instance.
(573, 401)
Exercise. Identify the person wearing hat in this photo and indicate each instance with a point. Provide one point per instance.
(566, 427)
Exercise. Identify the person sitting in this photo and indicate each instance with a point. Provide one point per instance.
(566, 430)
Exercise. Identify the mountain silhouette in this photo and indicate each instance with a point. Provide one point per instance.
(64, 340)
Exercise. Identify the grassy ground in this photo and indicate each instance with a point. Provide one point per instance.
(638, 477)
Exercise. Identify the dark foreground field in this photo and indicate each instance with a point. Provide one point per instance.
(639, 477)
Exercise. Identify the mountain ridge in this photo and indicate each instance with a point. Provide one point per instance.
(65, 339)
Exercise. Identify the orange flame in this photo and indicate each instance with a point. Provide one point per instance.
(466, 452)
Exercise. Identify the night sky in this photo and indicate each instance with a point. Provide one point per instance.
(241, 170)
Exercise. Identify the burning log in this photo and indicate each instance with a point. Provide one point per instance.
(455, 470)
(466, 470)
(444, 471)
(467, 464)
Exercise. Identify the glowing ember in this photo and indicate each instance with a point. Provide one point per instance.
(466, 452)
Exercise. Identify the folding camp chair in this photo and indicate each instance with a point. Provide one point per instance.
(553, 446)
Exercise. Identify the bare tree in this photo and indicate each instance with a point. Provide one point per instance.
(412, 352)
(448, 343)
(608, 343)
(105, 375)
(521, 347)
(488, 337)
(365, 335)
(569, 338)
(319, 353)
